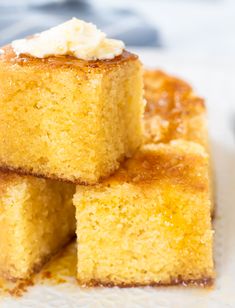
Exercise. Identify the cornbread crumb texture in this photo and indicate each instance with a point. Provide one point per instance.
(149, 223)
(37, 219)
(173, 110)
(66, 118)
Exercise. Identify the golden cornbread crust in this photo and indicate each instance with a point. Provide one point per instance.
(173, 110)
(64, 61)
(177, 162)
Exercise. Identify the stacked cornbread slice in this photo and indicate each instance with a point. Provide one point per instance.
(67, 118)
(63, 119)
(150, 223)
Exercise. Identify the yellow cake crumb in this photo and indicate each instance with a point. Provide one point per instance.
(150, 223)
(37, 218)
(67, 118)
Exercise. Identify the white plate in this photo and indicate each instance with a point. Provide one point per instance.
(215, 81)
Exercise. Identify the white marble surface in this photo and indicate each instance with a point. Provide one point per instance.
(215, 82)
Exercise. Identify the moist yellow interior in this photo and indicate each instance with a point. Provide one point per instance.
(37, 219)
(150, 223)
(62, 122)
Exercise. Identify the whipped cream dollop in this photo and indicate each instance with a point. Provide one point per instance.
(74, 37)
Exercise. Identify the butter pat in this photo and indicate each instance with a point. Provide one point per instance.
(74, 37)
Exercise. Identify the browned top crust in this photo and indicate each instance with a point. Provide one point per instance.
(169, 96)
(178, 163)
(9, 56)
(172, 107)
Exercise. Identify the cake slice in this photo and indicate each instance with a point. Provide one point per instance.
(37, 218)
(68, 118)
(173, 110)
(149, 223)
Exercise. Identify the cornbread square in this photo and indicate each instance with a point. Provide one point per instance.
(173, 110)
(150, 223)
(66, 118)
(37, 218)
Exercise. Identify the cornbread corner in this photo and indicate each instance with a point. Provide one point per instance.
(67, 118)
(173, 110)
(37, 219)
(150, 223)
